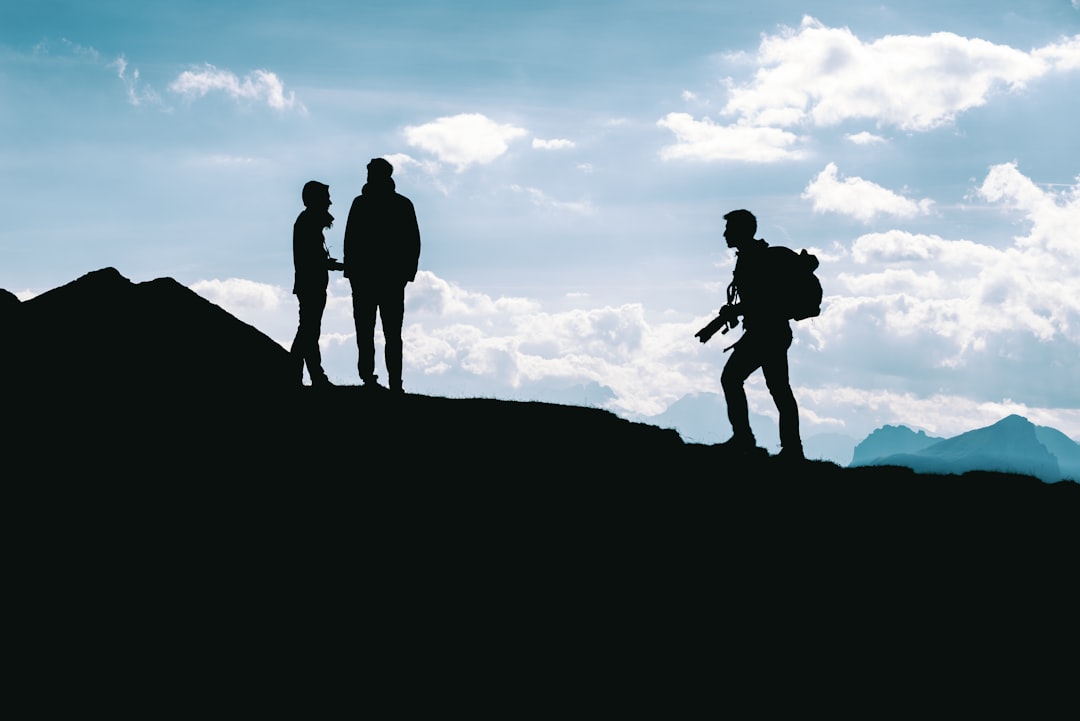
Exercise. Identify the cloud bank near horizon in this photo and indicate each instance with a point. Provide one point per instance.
(940, 312)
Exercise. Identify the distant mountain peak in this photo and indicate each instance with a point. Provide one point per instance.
(890, 440)
(1012, 445)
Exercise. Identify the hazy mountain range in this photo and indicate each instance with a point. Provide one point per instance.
(1013, 444)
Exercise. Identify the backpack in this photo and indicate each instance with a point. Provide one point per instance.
(802, 293)
(799, 290)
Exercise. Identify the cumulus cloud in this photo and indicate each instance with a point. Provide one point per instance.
(514, 343)
(436, 296)
(705, 140)
(966, 304)
(259, 86)
(865, 138)
(463, 140)
(1053, 216)
(1063, 56)
(553, 144)
(859, 198)
(234, 294)
(824, 76)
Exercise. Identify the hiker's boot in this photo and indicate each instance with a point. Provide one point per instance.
(742, 445)
(791, 454)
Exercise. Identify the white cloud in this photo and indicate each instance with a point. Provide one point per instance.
(463, 140)
(859, 198)
(137, 92)
(865, 138)
(543, 200)
(553, 144)
(121, 66)
(964, 304)
(963, 413)
(824, 76)
(259, 85)
(512, 343)
(1054, 216)
(402, 162)
(705, 140)
(1063, 56)
(436, 296)
(238, 294)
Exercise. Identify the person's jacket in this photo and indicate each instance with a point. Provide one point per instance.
(755, 279)
(311, 260)
(382, 238)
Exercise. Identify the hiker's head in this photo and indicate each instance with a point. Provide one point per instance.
(741, 227)
(316, 195)
(379, 169)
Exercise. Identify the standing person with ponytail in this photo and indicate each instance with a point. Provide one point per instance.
(312, 265)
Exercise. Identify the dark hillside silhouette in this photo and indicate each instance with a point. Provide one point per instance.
(260, 527)
(103, 333)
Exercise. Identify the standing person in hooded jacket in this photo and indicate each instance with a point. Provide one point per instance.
(764, 343)
(382, 251)
(311, 265)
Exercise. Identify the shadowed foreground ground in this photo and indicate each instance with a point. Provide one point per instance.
(496, 553)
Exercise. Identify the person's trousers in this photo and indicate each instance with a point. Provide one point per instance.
(389, 302)
(765, 349)
(305, 345)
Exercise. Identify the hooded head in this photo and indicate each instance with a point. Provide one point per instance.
(379, 169)
(316, 197)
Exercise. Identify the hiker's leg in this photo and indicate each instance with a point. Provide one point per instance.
(740, 365)
(364, 319)
(775, 369)
(392, 313)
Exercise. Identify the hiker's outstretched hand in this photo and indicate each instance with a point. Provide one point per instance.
(727, 319)
(710, 330)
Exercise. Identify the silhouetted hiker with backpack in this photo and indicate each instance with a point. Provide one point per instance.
(770, 286)
(312, 265)
(382, 250)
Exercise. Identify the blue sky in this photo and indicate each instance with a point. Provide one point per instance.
(570, 163)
